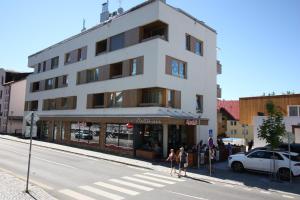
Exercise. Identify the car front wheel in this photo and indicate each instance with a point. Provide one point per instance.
(237, 166)
(284, 174)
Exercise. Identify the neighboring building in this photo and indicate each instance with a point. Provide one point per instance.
(12, 99)
(228, 121)
(136, 82)
(253, 110)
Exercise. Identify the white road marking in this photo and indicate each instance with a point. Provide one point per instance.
(101, 193)
(186, 195)
(75, 195)
(56, 163)
(154, 179)
(116, 188)
(288, 197)
(265, 192)
(165, 177)
(131, 185)
(30, 180)
(143, 181)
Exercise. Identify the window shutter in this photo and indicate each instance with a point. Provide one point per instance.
(89, 102)
(177, 99)
(140, 65)
(168, 65)
(126, 68)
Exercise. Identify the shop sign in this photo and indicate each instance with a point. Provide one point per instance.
(147, 121)
(191, 122)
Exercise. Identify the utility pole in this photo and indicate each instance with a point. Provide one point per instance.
(29, 156)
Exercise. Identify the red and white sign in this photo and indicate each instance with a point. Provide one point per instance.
(191, 122)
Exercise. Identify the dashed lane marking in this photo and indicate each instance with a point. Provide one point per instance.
(185, 195)
(101, 193)
(75, 195)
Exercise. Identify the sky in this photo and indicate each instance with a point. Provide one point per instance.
(258, 40)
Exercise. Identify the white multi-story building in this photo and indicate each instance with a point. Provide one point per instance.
(12, 99)
(141, 82)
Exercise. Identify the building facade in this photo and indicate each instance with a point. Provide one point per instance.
(12, 99)
(137, 84)
(253, 111)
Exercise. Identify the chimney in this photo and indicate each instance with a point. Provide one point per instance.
(105, 13)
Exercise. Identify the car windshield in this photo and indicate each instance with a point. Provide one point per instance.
(293, 158)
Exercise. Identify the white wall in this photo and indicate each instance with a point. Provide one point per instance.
(17, 98)
(258, 120)
(201, 70)
(297, 135)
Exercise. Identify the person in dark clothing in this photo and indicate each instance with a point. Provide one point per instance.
(250, 145)
(183, 161)
(172, 159)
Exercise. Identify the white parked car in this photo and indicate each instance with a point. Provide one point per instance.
(262, 160)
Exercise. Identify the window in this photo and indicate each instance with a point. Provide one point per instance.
(65, 80)
(64, 102)
(67, 58)
(171, 98)
(1, 92)
(176, 67)
(198, 48)
(199, 103)
(54, 62)
(44, 66)
(194, 45)
(93, 75)
(133, 67)
(188, 42)
(156, 29)
(117, 42)
(33, 105)
(116, 70)
(152, 96)
(98, 100)
(119, 135)
(38, 68)
(101, 47)
(116, 99)
(49, 84)
(86, 132)
(35, 86)
(294, 111)
(79, 54)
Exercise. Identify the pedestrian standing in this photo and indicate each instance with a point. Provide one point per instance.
(183, 161)
(212, 158)
(172, 159)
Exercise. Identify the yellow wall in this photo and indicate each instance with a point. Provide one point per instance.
(235, 130)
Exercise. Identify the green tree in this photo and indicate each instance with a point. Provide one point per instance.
(272, 129)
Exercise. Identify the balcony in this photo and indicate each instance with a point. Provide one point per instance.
(219, 91)
(219, 67)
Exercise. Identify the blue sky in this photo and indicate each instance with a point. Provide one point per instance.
(258, 39)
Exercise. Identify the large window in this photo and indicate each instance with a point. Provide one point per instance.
(85, 132)
(116, 70)
(93, 75)
(101, 47)
(98, 100)
(117, 42)
(171, 98)
(35, 86)
(294, 111)
(152, 96)
(176, 67)
(194, 45)
(49, 84)
(119, 135)
(199, 103)
(116, 99)
(54, 62)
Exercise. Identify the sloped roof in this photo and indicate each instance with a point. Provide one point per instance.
(232, 107)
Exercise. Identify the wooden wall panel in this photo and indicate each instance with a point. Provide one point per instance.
(177, 99)
(249, 107)
(130, 98)
(140, 65)
(132, 37)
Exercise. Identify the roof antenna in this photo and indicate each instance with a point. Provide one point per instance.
(83, 26)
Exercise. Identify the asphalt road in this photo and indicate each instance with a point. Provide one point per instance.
(70, 176)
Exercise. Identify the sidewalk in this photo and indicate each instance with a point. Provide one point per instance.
(222, 175)
(12, 188)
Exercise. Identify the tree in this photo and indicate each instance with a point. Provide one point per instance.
(272, 129)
